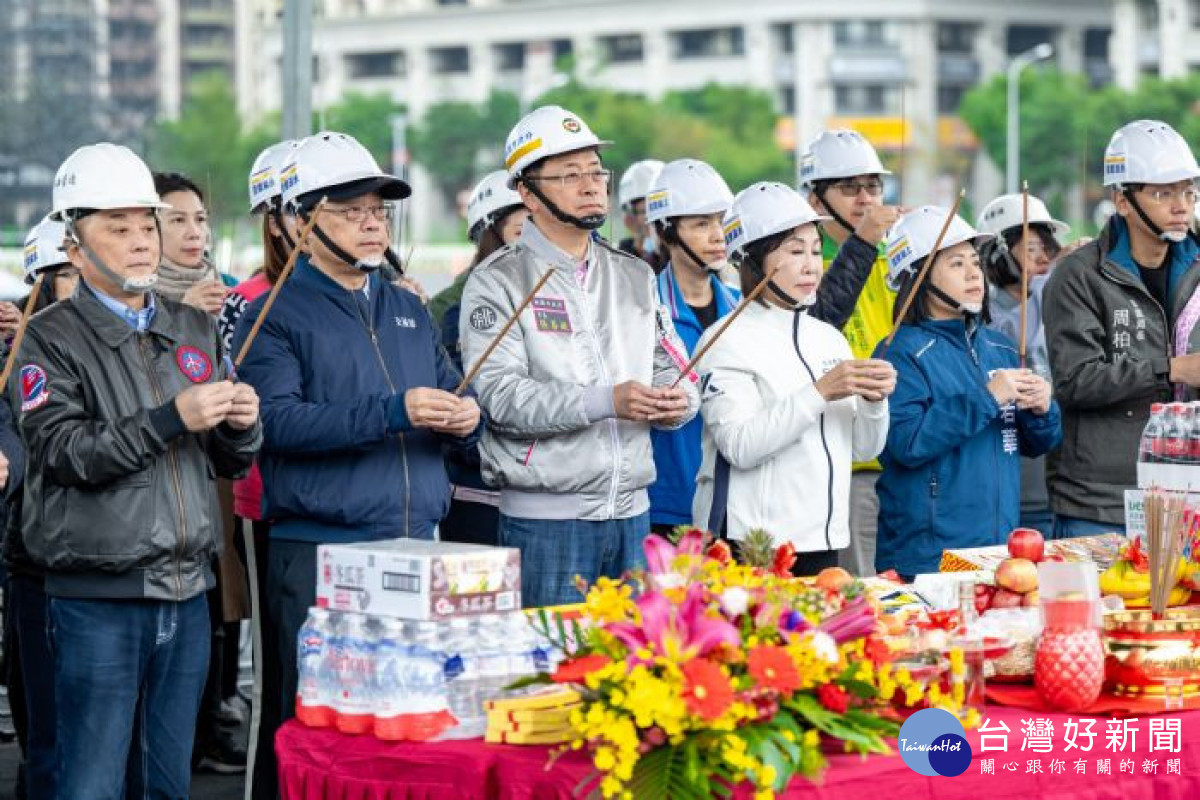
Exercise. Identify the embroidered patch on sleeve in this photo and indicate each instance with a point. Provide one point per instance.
(483, 318)
(35, 387)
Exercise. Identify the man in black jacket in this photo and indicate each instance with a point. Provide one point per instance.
(126, 419)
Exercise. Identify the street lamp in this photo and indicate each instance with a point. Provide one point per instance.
(1012, 166)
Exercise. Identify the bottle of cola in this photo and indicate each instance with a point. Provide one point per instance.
(1176, 440)
(1151, 449)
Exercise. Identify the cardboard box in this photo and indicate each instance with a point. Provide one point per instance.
(418, 579)
(1102, 550)
(1178, 477)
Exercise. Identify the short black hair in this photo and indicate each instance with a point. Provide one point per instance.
(167, 182)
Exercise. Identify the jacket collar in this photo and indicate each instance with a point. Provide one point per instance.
(546, 250)
(310, 277)
(113, 330)
(957, 331)
(1116, 249)
(670, 293)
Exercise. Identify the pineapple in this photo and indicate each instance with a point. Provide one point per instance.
(757, 549)
(816, 604)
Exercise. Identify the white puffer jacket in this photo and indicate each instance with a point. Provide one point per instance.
(789, 451)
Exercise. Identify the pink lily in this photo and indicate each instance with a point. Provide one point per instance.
(661, 554)
(678, 632)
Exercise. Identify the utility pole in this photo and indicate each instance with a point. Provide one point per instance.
(297, 69)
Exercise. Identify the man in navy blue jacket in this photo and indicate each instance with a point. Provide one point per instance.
(356, 390)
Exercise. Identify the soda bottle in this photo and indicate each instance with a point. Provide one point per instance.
(1150, 450)
(354, 665)
(313, 706)
(1175, 445)
(391, 692)
(1193, 434)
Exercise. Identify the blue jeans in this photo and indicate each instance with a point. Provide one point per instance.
(1071, 527)
(27, 605)
(555, 551)
(1041, 520)
(128, 675)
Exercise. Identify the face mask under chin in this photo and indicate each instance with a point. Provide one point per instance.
(1174, 237)
(368, 264)
(808, 301)
(971, 308)
(142, 284)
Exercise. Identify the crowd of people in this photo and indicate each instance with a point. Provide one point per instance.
(176, 446)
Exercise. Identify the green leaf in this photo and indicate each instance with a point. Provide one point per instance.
(540, 679)
(858, 688)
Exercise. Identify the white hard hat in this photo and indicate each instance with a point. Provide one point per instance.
(840, 153)
(913, 236)
(1006, 212)
(685, 188)
(764, 209)
(1148, 151)
(637, 181)
(264, 174)
(336, 166)
(542, 133)
(44, 248)
(103, 176)
(488, 198)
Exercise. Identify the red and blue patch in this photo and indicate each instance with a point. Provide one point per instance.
(35, 387)
(194, 363)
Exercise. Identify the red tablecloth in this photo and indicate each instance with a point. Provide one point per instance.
(325, 765)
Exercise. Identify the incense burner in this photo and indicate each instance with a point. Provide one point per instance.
(1148, 657)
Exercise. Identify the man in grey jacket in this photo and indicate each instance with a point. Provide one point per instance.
(127, 418)
(1120, 316)
(572, 390)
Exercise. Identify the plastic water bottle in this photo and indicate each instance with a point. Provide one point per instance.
(461, 672)
(390, 690)
(313, 706)
(428, 712)
(493, 657)
(522, 646)
(354, 667)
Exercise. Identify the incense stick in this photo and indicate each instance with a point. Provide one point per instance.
(932, 257)
(470, 376)
(283, 276)
(1024, 267)
(20, 335)
(746, 301)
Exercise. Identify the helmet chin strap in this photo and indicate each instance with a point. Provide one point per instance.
(1165, 236)
(589, 223)
(362, 265)
(277, 213)
(671, 236)
(132, 285)
(829, 209)
(969, 309)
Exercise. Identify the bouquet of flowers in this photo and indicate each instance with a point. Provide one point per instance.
(703, 673)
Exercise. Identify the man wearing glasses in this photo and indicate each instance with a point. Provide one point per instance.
(1120, 315)
(357, 392)
(574, 387)
(844, 178)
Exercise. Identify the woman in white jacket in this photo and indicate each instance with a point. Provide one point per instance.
(786, 406)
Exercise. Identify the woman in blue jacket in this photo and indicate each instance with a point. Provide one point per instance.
(963, 411)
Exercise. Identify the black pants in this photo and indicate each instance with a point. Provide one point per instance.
(260, 760)
(291, 591)
(813, 562)
(470, 523)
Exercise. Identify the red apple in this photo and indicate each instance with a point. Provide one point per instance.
(1006, 599)
(1027, 543)
(1017, 575)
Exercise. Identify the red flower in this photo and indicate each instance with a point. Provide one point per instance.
(706, 689)
(575, 670)
(878, 650)
(785, 557)
(833, 697)
(719, 551)
(772, 668)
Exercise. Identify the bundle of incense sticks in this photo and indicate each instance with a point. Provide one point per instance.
(1165, 532)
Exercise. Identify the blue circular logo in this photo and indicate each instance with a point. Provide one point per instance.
(933, 742)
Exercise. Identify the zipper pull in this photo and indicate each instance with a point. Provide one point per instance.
(933, 485)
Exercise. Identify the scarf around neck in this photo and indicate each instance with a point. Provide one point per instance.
(174, 280)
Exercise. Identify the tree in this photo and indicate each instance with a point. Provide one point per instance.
(207, 143)
(458, 141)
(368, 118)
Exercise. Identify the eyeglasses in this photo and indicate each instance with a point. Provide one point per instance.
(570, 180)
(1037, 248)
(1162, 196)
(359, 213)
(852, 188)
